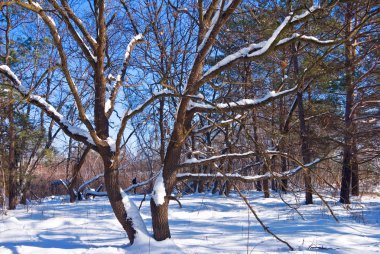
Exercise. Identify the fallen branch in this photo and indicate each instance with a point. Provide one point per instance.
(266, 229)
(103, 193)
(246, 179)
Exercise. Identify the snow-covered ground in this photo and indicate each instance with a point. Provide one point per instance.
(206, 224)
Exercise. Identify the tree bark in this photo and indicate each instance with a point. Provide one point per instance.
(347, 148)
(12, 167)
(75, 173)
(160, 220)
(111, 177)
(355, 190)
(265, 182)
(303, 133)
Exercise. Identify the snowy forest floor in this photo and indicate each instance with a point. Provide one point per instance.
(206, 224)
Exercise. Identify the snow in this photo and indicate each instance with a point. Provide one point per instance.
(206, 224)
(51, 20)
(159, 193)
(163, 92)
(315, 39)
(238, 176)
(243, 102)
(134, 214)
(213, 22)
(131, 44)
(107, 106)
(305, 13)
(45, 105)
(36, 5)
(112, 143)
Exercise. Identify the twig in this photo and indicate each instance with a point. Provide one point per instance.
(266, 229)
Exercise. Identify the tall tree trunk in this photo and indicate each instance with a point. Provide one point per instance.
(305, 147)
(347, 148)
(12, 167)
(305, 150)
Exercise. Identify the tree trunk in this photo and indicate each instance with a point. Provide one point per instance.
(284, 182)
(303, 133)
(347, 148)
(160, 220)
(215, 187)
(75, 174)
(266, 182)
(305, 150)
(258, 184)
(355, 170)
(12, 169)
(354, 162)
(111, 176)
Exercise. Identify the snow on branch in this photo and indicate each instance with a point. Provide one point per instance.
(248, 179)
(218, 124)
(110, 103)
(306, 13)
(72, 131)
(258, 49)
(215, 18)
(135, 40)
(243, 104)
(103, 193)
(198, 162)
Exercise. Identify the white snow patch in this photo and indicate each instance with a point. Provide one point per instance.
(51, 20)
(134, 214)
(158, 193)
(206, 224)
(131, 45)
(107, 106)
(112, 143)
(243, 102)
(37, 5)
